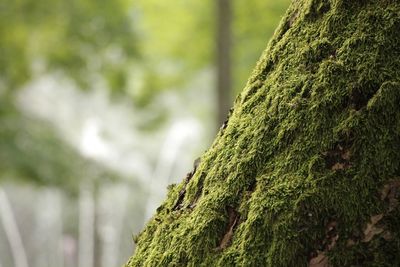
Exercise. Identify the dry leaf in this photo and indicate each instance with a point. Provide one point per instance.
(371, 230)
(389, 190)
(321, 260)
(376, 218)
(338, 166)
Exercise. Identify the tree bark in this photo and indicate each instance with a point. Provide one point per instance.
(307, 170)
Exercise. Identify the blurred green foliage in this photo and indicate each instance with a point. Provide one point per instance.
(84, 39)
(253, 25)
(138, 48)
(79, 37)
(178, 40)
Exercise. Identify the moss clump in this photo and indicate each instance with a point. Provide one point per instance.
(307, 169)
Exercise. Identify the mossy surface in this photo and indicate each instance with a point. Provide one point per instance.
(306, 172)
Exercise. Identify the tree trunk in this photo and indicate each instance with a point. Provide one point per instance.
(307, 170)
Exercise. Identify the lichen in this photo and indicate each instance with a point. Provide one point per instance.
(311, 141)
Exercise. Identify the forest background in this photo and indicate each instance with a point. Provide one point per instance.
(103, 104)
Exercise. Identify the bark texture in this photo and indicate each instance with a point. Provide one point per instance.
(307, 170)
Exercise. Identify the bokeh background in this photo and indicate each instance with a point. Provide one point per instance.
(102, 105)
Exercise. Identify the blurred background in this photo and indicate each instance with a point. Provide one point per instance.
(102, 105)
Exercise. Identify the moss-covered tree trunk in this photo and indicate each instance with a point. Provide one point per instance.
(306, 172)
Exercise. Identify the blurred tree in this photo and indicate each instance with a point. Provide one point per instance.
(178, 43)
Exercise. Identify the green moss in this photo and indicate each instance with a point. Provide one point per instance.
(311, 141)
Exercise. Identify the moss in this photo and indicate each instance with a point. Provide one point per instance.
(299, 167)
